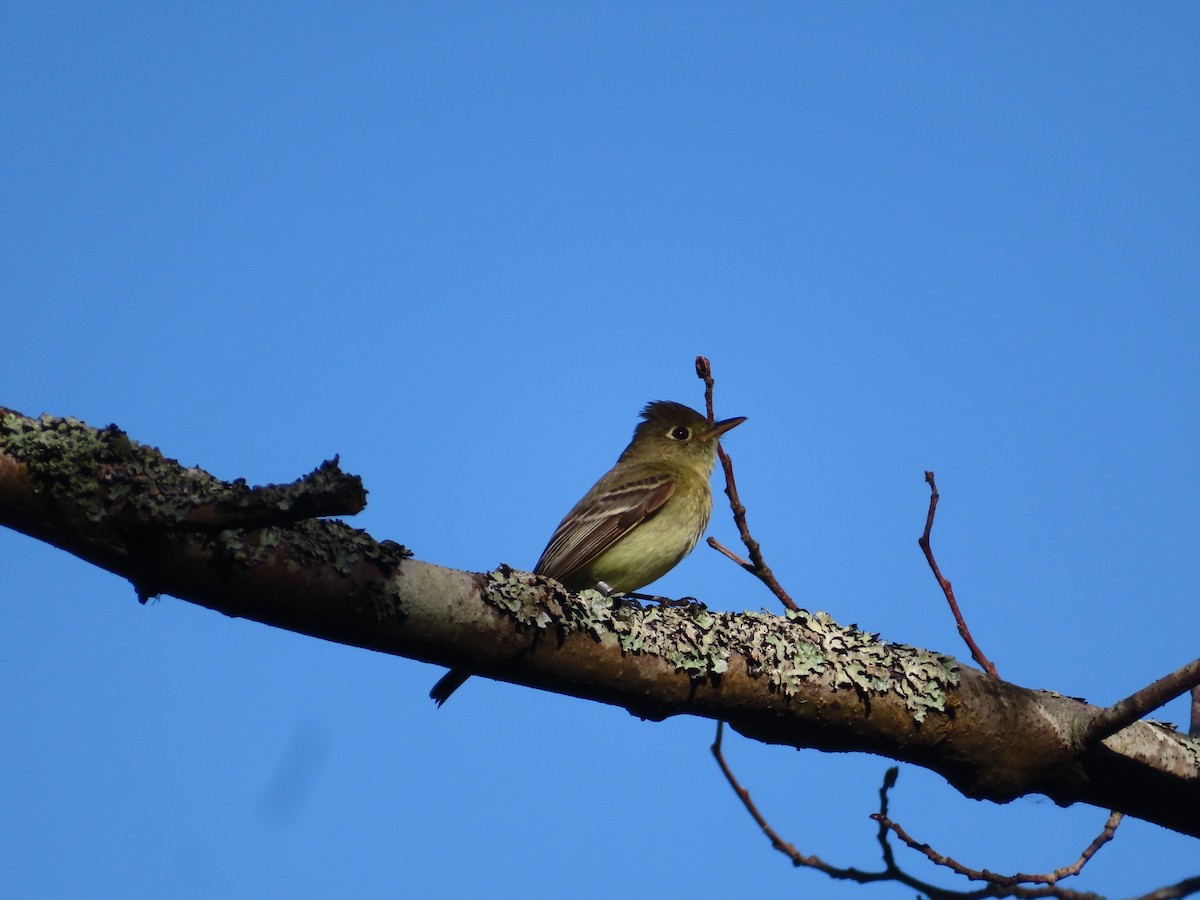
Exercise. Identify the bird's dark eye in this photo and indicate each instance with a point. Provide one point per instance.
(680, 433)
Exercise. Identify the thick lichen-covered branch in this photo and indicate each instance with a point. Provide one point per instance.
(800, 680)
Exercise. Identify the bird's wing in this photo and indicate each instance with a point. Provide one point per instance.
(599, 521)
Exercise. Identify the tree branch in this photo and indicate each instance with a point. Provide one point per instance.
(1125, 712)
(800, 680)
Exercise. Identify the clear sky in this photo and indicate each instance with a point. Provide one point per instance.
(461, 245)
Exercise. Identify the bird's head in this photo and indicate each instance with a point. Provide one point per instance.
(676, 433)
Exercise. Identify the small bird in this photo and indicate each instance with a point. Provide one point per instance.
(641, 518)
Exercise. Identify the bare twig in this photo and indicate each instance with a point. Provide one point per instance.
(892, 872)
(777, 842)
(1007, 881)
(757, 566)
(729, 554)
(1125, 712)
(813, 862)
(889, 782)
(976, 653)
(1194, 730)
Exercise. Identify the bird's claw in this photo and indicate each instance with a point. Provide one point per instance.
(662, 601)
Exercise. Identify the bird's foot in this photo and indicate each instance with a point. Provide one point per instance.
(663, 601)
(633, 598)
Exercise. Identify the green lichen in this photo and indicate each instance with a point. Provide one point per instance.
(791, 651)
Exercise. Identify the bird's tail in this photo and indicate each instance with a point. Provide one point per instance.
(447, 685)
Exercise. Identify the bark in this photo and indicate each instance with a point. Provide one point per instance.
(800, 679)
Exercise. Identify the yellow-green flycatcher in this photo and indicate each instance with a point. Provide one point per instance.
(641, 518)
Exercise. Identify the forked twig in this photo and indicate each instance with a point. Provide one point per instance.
(997, 886)
(976, 653)
(757, 566)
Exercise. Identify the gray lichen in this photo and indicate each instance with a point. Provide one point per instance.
(104, 477)
(789, 651)
(103, 474)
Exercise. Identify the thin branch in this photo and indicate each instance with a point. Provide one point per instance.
(1194, 730)
(758, 565)
(789, 850)
(1005, 881)
(976, 653)
(1125, 712)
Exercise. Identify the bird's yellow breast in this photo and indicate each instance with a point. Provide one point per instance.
(656, 545)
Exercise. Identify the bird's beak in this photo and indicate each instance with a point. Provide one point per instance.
(719, 428)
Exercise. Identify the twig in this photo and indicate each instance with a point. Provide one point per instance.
(889, 782)
(1194, 730)
(725, 551)
(1007, 881)
(800, 859)
(976, 653)
(1184, 888)
(758, 566)
(1125, 712)
(891, 871)
(777, 842)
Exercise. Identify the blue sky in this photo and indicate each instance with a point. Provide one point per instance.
(461, 245)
